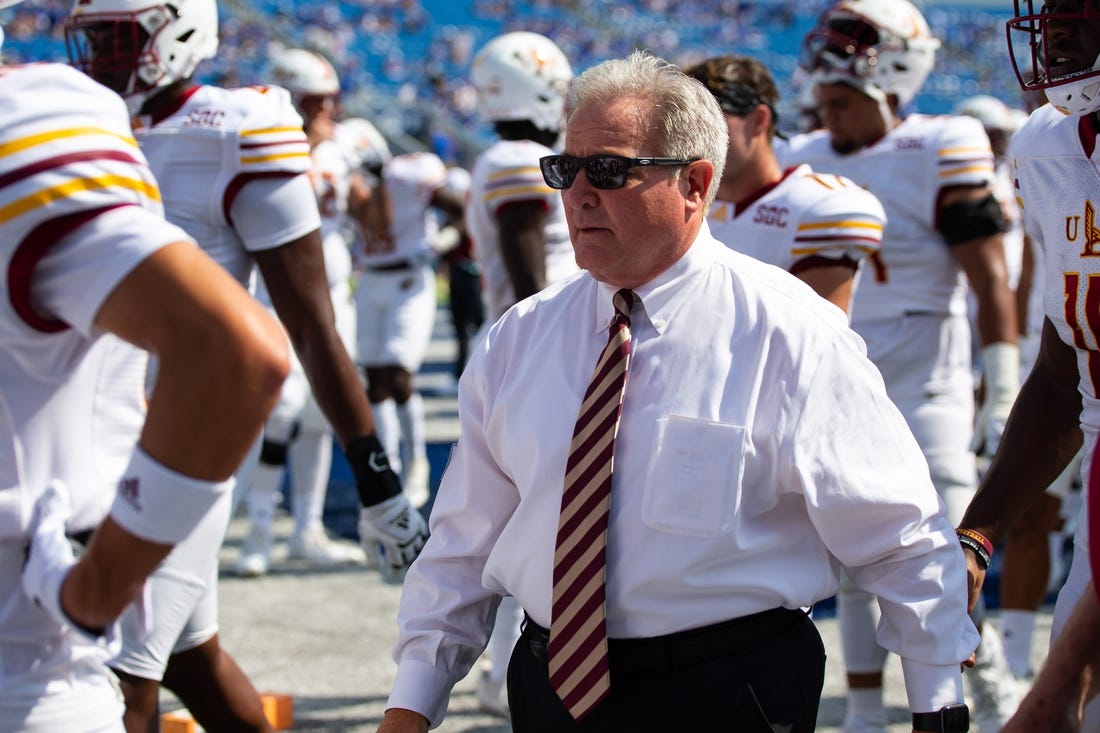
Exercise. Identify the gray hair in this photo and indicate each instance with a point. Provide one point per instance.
(691, 124)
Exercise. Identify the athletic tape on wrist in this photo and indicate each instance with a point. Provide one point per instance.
(160, 505)
(1001, 372)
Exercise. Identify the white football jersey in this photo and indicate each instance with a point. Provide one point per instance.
(906, 170)
(806, 214)
(79, 209)
(411, 180)
(209, 149)
(1056, 162)
(331, 179)
(507, 173)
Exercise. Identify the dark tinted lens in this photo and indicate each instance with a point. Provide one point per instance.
(559, 170)
(605, 171)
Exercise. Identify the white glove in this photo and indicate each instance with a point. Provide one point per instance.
(50, 555)
(1001, 379)
(392, 534)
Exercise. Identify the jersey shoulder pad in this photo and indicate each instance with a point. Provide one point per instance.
(511, 173)
(838, 212)
(270, 133)
(68, 145)
(963, 154)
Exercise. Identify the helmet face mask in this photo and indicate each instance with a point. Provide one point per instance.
(1056, 49)
(882, 47)
(522, 76)
(135, 47)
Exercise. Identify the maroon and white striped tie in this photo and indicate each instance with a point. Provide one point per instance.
(578, 634)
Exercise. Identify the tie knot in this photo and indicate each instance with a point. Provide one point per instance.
(623, 301)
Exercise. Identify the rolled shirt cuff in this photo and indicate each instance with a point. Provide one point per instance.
(422, 688)
(931, 686)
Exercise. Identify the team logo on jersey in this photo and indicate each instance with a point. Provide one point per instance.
(1092, 234)
(909, 143)
(771, 216)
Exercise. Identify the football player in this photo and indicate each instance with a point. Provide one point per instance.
(1055, 49)
(298, 429)
(233, 166)
(86, 252)
(819, 227)
(867, 60)
(517, 224)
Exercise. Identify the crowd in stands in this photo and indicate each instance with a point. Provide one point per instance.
(405, 63)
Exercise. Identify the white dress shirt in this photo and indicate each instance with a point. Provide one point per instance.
(757, 452)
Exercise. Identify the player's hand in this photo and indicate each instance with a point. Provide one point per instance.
(392, 534)
(975, 577)
(50, 555)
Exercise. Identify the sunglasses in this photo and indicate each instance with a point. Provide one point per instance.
(603, 171)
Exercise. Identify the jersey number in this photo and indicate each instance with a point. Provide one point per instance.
(1092, 316)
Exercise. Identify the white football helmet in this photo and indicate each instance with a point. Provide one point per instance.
(1039, 56)
(881, 47)
(990, 111)
(363, 142)
(305, 74)
(522, 76)
(136, 47)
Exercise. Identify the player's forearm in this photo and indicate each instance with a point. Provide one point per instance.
(109, 575)
(1067, 680)
(337, 386)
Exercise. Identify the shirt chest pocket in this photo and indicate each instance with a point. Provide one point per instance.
(693, 484)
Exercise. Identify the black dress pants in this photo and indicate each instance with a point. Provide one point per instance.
(758, 674)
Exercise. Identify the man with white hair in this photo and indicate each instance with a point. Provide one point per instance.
(665, 535)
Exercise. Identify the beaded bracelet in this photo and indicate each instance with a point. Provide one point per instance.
(983, 557)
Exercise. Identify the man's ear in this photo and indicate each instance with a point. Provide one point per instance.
(695, 180)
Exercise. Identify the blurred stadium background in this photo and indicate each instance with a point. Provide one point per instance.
(404, 64)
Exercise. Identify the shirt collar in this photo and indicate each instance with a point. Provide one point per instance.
(661, 297)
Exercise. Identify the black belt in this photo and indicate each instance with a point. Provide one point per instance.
(393, 266)
(682, 648)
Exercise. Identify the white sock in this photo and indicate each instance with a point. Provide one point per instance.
(310, 461)
(389, 431)
(858, 614)
(263, 494)
(1018, 630)
(411, 416)
(865, 707)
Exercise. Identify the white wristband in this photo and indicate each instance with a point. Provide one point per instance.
(160, 505)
